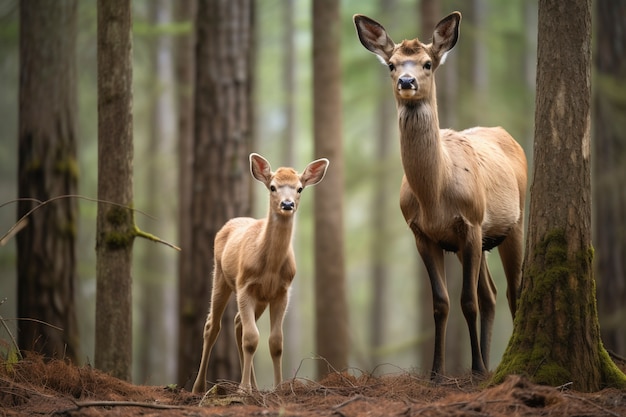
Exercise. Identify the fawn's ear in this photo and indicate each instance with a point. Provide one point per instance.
(260, 168)
(445, 35)
(374, 37)
(314, 172)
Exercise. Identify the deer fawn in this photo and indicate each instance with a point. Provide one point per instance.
(462, 191)
(254, 259)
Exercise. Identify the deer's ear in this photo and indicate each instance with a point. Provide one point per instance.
(373, 36)
(260, 168)
(314, 172)
(446, 34)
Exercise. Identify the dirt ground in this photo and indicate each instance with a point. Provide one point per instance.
(33, 387)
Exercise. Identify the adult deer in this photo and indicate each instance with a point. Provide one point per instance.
(462, 191)
(254, 259)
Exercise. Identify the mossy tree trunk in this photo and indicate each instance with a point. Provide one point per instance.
(115, 222)
(46, 255)
(556, 336)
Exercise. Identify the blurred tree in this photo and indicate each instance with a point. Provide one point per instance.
(332, 332)
(556, 336)
(48, 168)
(220, 178)
(115, 220)
(155, 289)
(294, 324)
(609, 195)
(184, 11)
(380, 249)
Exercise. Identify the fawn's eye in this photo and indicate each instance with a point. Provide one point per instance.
(272, 188)
(428, 65)
(300, 190)
(391, 66)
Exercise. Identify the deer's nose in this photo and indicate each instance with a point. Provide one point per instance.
(287, 205)
(407, 83)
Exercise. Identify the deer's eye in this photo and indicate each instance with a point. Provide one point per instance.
(428, 65)
(300, 190)
(272, 188)
(391, 66)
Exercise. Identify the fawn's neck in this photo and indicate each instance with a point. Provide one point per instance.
(276, 239)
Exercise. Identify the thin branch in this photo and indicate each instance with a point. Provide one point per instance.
(585, 400)
(86, 404)
(36, 321)
(22, 222)
(6, 328)
(149, 236)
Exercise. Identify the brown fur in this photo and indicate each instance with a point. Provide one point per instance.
(462, 191)
(254, 260)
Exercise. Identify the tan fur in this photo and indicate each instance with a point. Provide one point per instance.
(462, 191)
(254, 260)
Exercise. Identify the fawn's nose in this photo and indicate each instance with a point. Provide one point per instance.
(287, 205)
(407, 83)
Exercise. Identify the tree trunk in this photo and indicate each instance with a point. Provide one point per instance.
(220, 183)
(610, 153)
(46, 254)
(556, 336)
(294, 320)
(331, 311)
(115, 219)
(184, 11)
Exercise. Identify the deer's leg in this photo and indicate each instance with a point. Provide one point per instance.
(277, 314)
(249, 337)
(432, 255)
(471, 255)
(511, 254)
(220, 295)
(487, 305)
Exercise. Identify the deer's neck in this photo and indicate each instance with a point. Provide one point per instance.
(276, 240)
(423, 157)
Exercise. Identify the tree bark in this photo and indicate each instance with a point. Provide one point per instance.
(115, 219)
(609, 155)
(221, 175)
(46, 253)
(556, 336)
(331, 312)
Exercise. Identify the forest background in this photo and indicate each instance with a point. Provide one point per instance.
(488, 80)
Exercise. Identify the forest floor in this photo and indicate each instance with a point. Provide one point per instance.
(33, 387)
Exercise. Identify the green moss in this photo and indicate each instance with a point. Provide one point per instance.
(121, 221)
(119, 240)
(68, 229)
(537, 341)
(68, 166)
(119, 216)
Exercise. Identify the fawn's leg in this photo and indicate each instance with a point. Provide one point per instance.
(249, 337)
(277, 314)
(219, 299)
(239, 335)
